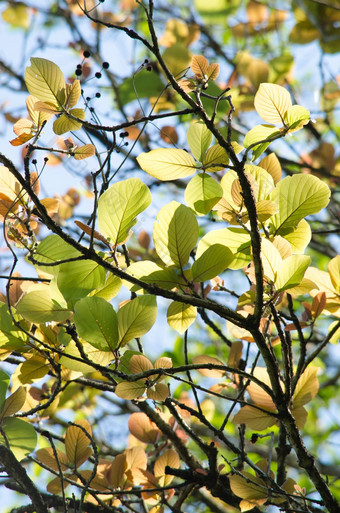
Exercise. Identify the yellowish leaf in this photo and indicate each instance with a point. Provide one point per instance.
(84, 152)
(130, 389)
(139, 363)
(141, 427)
(169, 458)
(254, 418)
(181, 316)
(272, 165)
(46, 456)
(199, 66)
(77, 443)
(307, 387)
(167, 164)
(13, 403)
(272, 102)
(158, 392)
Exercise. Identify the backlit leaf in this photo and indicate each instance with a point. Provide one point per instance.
(271, 259)
(298, 237)
(175, 233)
(46, 456)
(199, 139)
(210, 373)
(199, 66)
(37, 306)
(167, 164)
(235, 239)
(65, 124)
(254, 418)
(307, 387)
(169, 458)
(143, 428)
(272, 164)
(130, 389)
(158, 392)
(84, 152)
(272, 102)
(20, 435)
(77, 279)
(119, 206)
(136, 318)
(211, 262)
(215, 159)
(150, 272)
(77, 443)
(248, 486)
(202, 193)
(13, 403)
(96, 322)
(297, 197)
(296, 117)
(139, 363)
(44, 80)
(291, 272)
(52, 249)
(334, 273)
(180, 316)
(259, 134)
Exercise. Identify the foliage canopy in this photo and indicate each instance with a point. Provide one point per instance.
(169, 323)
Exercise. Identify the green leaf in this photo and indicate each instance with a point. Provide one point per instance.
(202, 193)
(110, 288)
(167, 164)
(177, 58)
(38, 307)
(199, 139)
(175, 234)
(11, 336)
(211, 262)
(150, 272)
(257, 134)
(4, 382)
(65, 124)
(52, 250)
(20, 435)
(96, 323)
(235, 239)
(297, 197)
(264, 181)
(119, 206)
(45, 81)
(271, 259)
(180, 316)
(291, 272)
(136, 318)
(142, 85)
(77, 279)
(334, 273)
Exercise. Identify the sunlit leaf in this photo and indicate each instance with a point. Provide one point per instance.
(119, 206)
(215, 159)
(236, 240)
(84, 152)
(169, 458)
(307, 387)
(260, 134)
(65, 124)
(180, 316)
(272, 102)
(334, 273)
(13, 403)
(77, 443)
(296, 117)
(136, 318)
(202, 193)
(158, 392)
(254, 418)
(96, 322)
(272, 165)
(20, 436)
(130, 389)
(298, 237)
(47, 457)
(77, 279)
(199, 66)
(44, 80)
(51, 250)
(211, 262)
(210, 373)
(150, 272)
(175, 234)
(199, 139)
(297, 197)
(139, 363)
(271, 259)
(167, 164)
(248, 486)
(143, 428)
(37, 306)
(291, 272)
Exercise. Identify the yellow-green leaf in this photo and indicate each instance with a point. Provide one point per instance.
(298, 237)
(291, 272)
(334, 272)
(272, 102)
(297, 197)
(215, 159)
(307, 387)
(136, 318)
(13, 403)
(65, 124)
(199, 138)
(38, 307)
(202, 193)
(77, 279)
(44, 80)
(296, 117)
(181, 316)
(259, 134)
(211, 262)
(236, 239)
(150, 272)
(248, 486)
(175, 234)
(84, 152)
(20, 435)
(96, 322)
(130, 389)
(272, 165)
(167, 164)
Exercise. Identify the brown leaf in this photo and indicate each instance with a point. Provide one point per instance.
(199, 66)
(141, 427)
(84, 152)
(169, 458)
(187, 85)
(46, 456)
(77, 443)
(254, 418)
(169, 134)
(212, 373)
(158, 392)
(139, 363)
